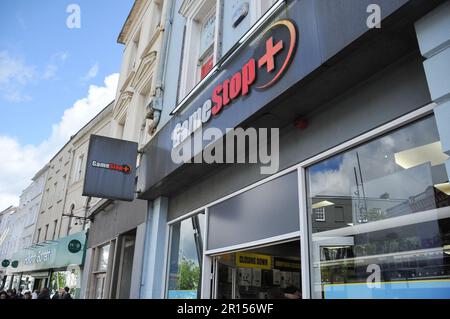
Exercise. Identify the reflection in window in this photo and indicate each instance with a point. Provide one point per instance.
(186, 258)
(387, 228)
(103, 258)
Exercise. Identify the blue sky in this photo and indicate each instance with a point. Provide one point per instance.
(53, 79)
(35, 32)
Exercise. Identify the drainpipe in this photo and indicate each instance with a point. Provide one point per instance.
(154, 109)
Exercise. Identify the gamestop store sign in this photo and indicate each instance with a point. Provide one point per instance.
(271, 58)
(110, 169)
(276, 57)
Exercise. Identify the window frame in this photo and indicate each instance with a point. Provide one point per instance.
(168, 250)
(191, 52)
(305, 216)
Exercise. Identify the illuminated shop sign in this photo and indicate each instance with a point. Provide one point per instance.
(269, 62)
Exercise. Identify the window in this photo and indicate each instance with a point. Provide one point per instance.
(319, 213)
(79, 168)
(38, 237)
(46, 232)
(259, 7)
(100, 270)
(265, 5)
(391, 238)
(201, 43)
(55, 224)
(134, 47)
(186, 254)
(207, 40)
(55, 193)
(60, 191)
(69, 223)
(103, 258)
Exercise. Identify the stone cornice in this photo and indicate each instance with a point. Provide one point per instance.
(127, 81)
(185, 7)
(137, 7)
(144, 67)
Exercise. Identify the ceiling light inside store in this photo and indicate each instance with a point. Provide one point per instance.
(423, 154)
(445, 188)
(321, 204)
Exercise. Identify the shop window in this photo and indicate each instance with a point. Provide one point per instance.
(100, 271)
(392, 236)
(103, 258)
(186, 253)
(268, 272)
(126, 266)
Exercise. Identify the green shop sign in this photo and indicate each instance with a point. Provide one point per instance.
(52, 254)
(5, 263)
(15, 264)
(74, 246)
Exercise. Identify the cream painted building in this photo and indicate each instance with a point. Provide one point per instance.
(76, 205)
(48, 224)
(117, 234)
(63, 188)
(137, 109)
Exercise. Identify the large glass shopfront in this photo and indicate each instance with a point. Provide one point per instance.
(250, 250)
(380, 218)
(370, 222)
(186, 255)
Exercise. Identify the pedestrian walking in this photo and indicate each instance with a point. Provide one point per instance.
(27, 295)
(44, 294)
(34, 294)
(67, 293)
(3, 295)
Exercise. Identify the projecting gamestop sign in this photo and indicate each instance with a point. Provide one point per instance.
(110, 169)
(270, 61)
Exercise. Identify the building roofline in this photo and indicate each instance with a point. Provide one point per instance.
(127, 25)
(80, 130)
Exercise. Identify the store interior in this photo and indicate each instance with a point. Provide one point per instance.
(270, 272)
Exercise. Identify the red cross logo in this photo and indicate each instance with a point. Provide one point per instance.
(269, 58)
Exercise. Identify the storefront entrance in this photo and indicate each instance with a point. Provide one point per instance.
(267, 272)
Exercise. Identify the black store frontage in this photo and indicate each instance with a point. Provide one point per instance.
(359, 207)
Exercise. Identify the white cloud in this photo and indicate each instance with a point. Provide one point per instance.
(92, 73)
(52, 68)
(50, 71)
(14, 75)
(23, 161)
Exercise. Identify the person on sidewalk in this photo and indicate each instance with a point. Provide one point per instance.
(67, 293)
